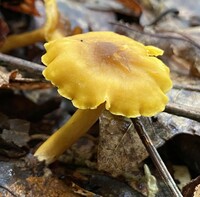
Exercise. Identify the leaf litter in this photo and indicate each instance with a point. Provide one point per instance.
(181, 45)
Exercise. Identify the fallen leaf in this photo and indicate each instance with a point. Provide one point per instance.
(27, 177)
(88, 15)
(18, 133)
(24, 6)
(185, 98)
(167, 126)
(14, 80)
(192, 188)
(83, 192)
(181, 48)
(120, 149)
(132, 5)
(4, 31)
(104, 185)
(4, 77)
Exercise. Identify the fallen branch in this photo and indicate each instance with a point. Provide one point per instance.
(157, 160)
(182, 110)
(195, 88)
(21, 64)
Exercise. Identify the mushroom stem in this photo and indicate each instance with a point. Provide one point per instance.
(51, 30)
(72, 130)
(22, 40)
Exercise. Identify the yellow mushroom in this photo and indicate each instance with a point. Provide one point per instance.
(53, 28)
(102, 70)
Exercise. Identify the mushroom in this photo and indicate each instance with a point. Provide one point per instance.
(102, 71)
(53, 28)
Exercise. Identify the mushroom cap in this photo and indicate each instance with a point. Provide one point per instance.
(105, 67)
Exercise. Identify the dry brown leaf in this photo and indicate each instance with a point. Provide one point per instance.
(4, 77)
(182, 52)
(18, 133)
(132, 5)
(87, 15)
(14, 80)
(27, 177)
(40, 186)
(192, 188)
(120, 150)
(78, 190)
(25, 6)
(4, 31)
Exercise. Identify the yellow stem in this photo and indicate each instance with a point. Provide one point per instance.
(22, 40)
(50, 31)
(68, 134)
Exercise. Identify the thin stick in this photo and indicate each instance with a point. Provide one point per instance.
(195, 88)
(24, 65)
(159, 35)
(156, 157)
(184, 111)
(9, 191)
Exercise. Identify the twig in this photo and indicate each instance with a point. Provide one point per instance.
(187, 87)
(8, 190)
(39, 137)
(160, 35)
(182, 110)
(184, 36)
(24, 65)
(160, 17)
(156, 157)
